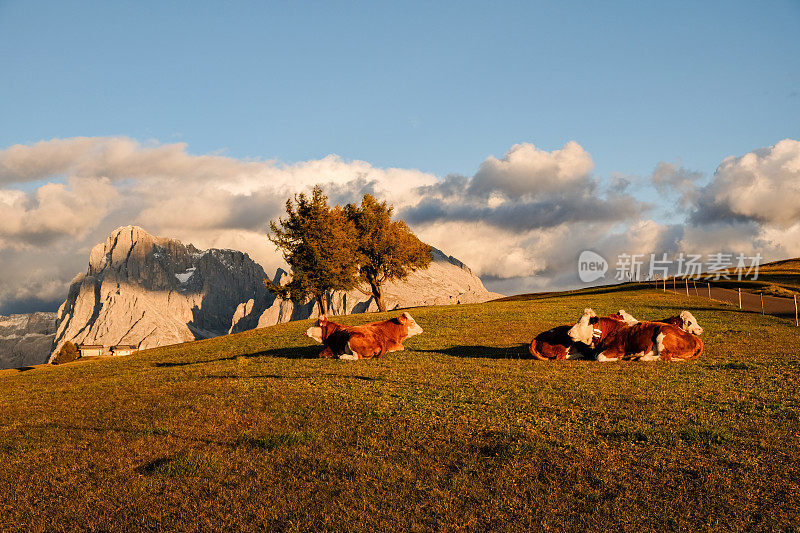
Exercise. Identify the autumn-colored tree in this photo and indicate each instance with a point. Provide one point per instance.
(67, 354)
(318, 243)
(387, 249)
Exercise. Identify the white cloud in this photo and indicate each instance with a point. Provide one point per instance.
(520, 222)
(762, 185)
(527, 189)
(487, 250)
(543, 259)
(55, 210)
(526, 169)
(94, 185)
(670, 178)
(781, 242)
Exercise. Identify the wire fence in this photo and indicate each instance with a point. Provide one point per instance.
(760, 303)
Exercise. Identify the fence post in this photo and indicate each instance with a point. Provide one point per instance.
(762, 303)
(665, 283)
(709, 290)
(694, 284)
(674, 285)
(686, 280)
(740, 297)
(796, 322)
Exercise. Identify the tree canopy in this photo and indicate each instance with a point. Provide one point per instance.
(67, 354)
(318, 243)
(387, 249)
(331, 248)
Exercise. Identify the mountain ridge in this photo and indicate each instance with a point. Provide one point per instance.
(24, 338)
(152, 291)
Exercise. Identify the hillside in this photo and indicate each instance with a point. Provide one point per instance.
(778, 278)
(789, 265)
(150, 291)
(459, 432)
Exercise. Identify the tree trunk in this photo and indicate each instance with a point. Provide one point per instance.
(377, 292)
(322, 303)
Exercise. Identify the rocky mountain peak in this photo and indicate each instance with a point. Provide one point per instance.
(119, 247)
(151, 291)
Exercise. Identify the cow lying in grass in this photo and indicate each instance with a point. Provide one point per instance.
(685, 321)
(363, 342)
(641, 341)
(556, 343)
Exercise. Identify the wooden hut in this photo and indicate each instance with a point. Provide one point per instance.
(90, 350)
(123, 349)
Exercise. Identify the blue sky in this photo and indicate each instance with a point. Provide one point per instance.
(567, 126)
(434, 86)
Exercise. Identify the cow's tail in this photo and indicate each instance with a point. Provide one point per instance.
(534, 352)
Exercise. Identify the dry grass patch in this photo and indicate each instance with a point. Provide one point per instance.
(460, 432)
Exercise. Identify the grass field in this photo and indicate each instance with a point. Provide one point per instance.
(460, 432)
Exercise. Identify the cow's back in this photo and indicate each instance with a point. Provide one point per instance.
(649, 341)
(367, 341)
(679, 345)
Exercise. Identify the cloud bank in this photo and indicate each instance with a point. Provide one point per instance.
(520, 221)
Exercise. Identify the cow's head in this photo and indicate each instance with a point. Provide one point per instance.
(627, 318)
(316, 331)
(582, 331)
(689, 323)
(411, 325)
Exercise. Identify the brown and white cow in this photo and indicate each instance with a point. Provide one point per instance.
(686, 321)
(363, 342)
(642, 341)
(555, 343)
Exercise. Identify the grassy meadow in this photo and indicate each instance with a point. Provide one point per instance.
(460, 432)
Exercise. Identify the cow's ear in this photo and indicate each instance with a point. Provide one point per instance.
(404, 318)
(594, 320)
(323, 318)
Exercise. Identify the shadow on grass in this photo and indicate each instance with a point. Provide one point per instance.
(303, 376)
(25, 368)
(246, 440)
(181, 465)
(487, 352)
(170, 364)
(299, 352)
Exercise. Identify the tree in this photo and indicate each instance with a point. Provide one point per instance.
(387, 249)
(67, 354)
(318, 243)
